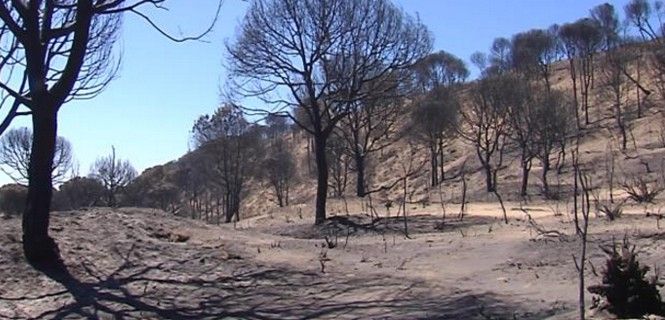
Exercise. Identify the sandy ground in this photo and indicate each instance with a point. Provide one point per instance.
(142, 264)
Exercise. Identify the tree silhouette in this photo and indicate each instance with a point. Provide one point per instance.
(606, 17)
(486, 124)
(581, 41)
(280, 170)
(82, 192)
(369, 127)
(53, 52)
(553, 124)
(433, 123)
(15, 148)
(231, 145)
(434, 118)
(533, 53)
(325, 55)
(114, 174)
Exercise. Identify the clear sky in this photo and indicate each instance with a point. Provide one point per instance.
(147, 112)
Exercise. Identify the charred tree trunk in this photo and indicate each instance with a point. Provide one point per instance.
(526, 168)
(442, 175)
(322, 178)
(228, 207)
(587, 77)
(236, 205)
(637, 87)
(573, 77)
(621, 124)
(434, 166)
(309, 155)
(37, 245)
(561, 158)
(488, 178)
(360, 174)
(463, 205)
(546, 169)
(280, 201)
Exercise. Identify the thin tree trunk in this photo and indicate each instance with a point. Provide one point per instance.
(546, 169)
(573, 77)
(280, 202)
(228, 208)
(37, 245)
(582, 305)
(286, 196)
(360, 174)
(309, 155)
(434, 166)
(488, 178)
(463, 206)
(526, 167)
(279, 193)
(322, 178)
(442, 176)
(404, 195)
(561, 160)
(621, 124)
(586, 82)
(637, 89)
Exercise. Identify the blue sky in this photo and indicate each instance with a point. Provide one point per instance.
(163, 86)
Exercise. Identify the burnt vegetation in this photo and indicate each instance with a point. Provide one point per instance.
(347, 102)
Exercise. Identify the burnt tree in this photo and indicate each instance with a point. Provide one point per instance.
(15, 149)
(322, 55)
(486, 125)
(53, 52)
(438, 81)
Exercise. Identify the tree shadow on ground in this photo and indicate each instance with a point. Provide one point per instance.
(204, 289)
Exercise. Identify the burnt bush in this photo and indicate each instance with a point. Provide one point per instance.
(641, 191)
(80, 192)
(12, 199)
(625, 287)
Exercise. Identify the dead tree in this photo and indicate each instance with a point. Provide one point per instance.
(641, 16)
(462, 209)
(326, 56)
(610, 165)
(438, 79)
(339, 162)
(409, 166)
(552, 126)
(585, 183)
(370, 127)
(521, 113)
(486, 125)
(194, 179)
(434, 123)
(232, 146)
(114, 174)
(608, 22)
(53, 52)
(279, 170)
(615, 84)
(533, 53)
(581, 40)
(15, 148)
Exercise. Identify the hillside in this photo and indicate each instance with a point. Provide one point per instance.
(599, 143)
